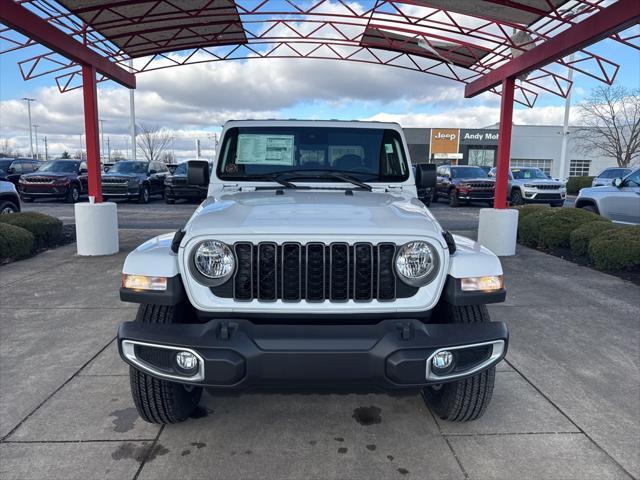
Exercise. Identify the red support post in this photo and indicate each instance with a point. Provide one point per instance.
(91, 129)
(504, 143)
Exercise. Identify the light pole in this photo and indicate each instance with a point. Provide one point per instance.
(565, 125)
(37, 150)
(46, 149)
(101, 135)
(29, 100)
(132, 116)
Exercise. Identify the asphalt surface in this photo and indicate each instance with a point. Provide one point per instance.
(566, 404)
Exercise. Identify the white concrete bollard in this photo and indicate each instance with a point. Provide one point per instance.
(498, 230)
(96, 228)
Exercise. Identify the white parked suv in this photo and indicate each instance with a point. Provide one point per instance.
(312, 266)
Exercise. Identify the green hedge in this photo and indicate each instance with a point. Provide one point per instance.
(551, 227)
(617, 249)
(580, 238)
(46, 230)
(524, 210)
(15, 242)
(576, 183)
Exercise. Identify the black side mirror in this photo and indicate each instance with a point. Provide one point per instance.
(426, 175)
(11, 170)
(83, 170)
(197, 173)
(617, 182)
(153, 171)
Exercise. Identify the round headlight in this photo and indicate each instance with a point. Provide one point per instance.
(417, 263)
(214, 260)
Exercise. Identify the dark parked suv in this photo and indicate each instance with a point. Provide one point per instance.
(134, 180)
(12, 168)
(63, 179)
(176, 187)
(464, 183)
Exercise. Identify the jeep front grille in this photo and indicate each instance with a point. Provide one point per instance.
(547, 186)
(314, 272)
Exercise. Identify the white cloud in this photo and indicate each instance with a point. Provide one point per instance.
(476, 117)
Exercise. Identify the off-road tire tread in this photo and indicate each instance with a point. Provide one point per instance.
(160, 401)
(467, 399)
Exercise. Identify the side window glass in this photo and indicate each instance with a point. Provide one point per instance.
(633, 180)
(83, 166)
(17, 167)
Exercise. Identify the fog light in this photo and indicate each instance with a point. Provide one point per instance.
(485, 284)
(141, 282)
(187, 362)
(442, 360)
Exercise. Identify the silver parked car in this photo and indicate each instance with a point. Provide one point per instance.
(619, 202)
(606, 176)
(532, 185)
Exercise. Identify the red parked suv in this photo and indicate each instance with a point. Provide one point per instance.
(63, 179)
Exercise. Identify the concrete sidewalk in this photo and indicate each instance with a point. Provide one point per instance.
(566, 403)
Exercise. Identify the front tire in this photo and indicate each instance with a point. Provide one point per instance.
(73, 195)
(454, 201)
(516, 198)
(161, 401)
(8, 207)
(144, 195)
(467, 399)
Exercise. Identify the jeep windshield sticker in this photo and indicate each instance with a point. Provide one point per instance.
(265, 149)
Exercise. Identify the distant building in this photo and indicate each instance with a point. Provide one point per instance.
(531, 146)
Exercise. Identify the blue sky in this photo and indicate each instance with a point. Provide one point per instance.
(194, 101)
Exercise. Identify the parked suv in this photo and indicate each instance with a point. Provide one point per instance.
(466, 183)
(606, 176)
(12, 168)
(176, 186)
(62, 179)
(620, 202)
(531, 185)
(312, 265)
(134, 180)
(9, 198)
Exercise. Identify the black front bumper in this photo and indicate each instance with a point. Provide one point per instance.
(240, 355)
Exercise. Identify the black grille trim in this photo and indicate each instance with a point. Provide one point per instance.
(314, 272)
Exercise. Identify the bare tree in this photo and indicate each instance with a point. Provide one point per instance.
(610, 120)
(6, 150)
(152, 141)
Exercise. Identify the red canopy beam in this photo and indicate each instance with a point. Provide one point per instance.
(36, 28)
(610, 20)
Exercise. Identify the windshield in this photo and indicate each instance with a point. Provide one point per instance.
(129, 167)
(60, 166)
(468, 172)
(615, 173)
(363, 153)
(5, 164)
(181, 169)
(527, 173)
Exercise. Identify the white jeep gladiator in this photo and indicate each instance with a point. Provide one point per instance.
(312, 266)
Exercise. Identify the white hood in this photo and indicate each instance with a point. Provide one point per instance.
(304, 212)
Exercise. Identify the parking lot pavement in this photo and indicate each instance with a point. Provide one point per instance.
(565, 406)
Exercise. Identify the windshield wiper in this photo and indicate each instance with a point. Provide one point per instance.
(274, 177)
(345, 177)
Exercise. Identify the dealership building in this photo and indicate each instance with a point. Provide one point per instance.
(531, 146)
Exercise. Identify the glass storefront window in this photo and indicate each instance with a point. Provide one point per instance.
(482, 157)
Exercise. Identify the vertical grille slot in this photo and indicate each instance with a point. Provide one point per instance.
(291, 272)
(315, 263)
(243, 279)
(339, 272)
(363, 272)
(386, 274)
(267, 261)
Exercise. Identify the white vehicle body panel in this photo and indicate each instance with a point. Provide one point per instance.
(153, 258)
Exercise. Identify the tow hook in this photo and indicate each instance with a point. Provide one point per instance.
(405, 330)
(226, 330)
